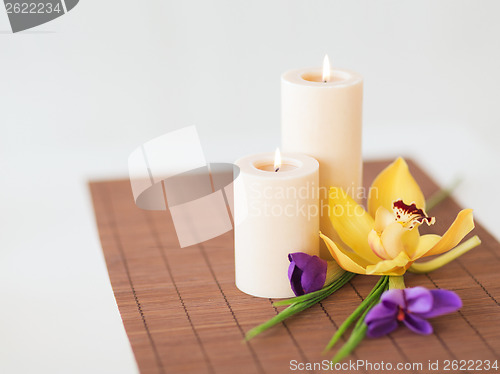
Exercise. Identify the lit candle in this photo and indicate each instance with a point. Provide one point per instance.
(321, 116)
(276, 213)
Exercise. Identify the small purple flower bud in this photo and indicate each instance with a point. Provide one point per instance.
(306, 273)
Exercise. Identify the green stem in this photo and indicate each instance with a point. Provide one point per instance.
(374, 294)
(396, 282)
(357, 336)
(299, 304)
(358, 333)
(441, 195)
(428, 266)
(280, 317)
(333, 272)
(346, 277)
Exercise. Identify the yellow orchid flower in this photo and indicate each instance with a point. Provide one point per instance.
(385, 240)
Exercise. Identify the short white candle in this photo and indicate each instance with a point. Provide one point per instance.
(321, 116)
(276, 213)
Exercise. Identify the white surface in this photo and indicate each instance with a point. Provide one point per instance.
(78, 94)
(174, 153)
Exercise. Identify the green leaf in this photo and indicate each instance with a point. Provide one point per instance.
(346, 277)
(288, 312)
(374, 295)
(359, 331)
(356, 337)
(298, 304)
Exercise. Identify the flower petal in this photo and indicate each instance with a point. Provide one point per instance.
(393, 298)
(383, 218)
(394, 183)
(444, 302)
(463, 224)
(382, 311)
(295, 276)
(392, 239)
(418, 300)
(348, 261)
(417, 324)
(306, 273)
(313, 279)
(351, 222)
(377, 246)
(410, 216)
(381, 327)
(396, 266)
(411, 239)
(425, 243)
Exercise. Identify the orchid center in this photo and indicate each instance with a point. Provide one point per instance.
(410, 216)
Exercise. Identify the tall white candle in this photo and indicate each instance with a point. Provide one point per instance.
(321, 116)
(276, 213)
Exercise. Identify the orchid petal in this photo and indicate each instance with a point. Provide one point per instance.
(348, 261)
(463, 224)
(425, 243)
(411, 240)
(445, 258)
(444, 301)
(394, 183)
(411, 216)
(417, 324)
(396, 266)
(392, 239)
(396, 239)
(383, 218)
(377, 246)
(352, 223)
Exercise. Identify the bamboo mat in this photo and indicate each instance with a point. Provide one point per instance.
(183, 313)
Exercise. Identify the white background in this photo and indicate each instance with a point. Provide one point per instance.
(77, 95)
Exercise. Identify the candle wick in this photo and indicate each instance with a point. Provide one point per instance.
(275, 170)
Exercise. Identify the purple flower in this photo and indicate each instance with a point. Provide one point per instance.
(306, 273)
(411, 306)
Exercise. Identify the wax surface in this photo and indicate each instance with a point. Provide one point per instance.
(281, 169)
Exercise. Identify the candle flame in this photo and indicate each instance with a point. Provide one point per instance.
(326, 69)
(277, 160)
